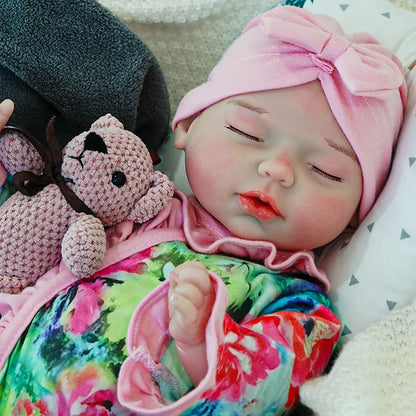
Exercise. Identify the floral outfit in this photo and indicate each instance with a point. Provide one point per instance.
(101, 345)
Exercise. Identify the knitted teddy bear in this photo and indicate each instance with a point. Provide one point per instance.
(66, 198)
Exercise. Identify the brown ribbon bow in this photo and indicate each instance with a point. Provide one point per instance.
(29, 183)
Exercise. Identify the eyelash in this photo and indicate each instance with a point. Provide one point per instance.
(256, 139)
(242, 133)
(326, 175)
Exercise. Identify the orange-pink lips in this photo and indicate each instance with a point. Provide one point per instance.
(259, 204)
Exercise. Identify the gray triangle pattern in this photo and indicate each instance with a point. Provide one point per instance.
(387, 14)
(404, 234)
(411, 161)
(354, 281)
(344, 7)
(370, 227)
(391, 304)
(346, 331)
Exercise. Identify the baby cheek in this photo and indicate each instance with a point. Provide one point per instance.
(209, 163)
(325, 216)
(204, 175)
(333, 208)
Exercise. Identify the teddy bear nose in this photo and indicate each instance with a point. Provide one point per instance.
(94, 142)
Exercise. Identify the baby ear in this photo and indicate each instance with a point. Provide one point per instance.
(156, 198)
(181, 131)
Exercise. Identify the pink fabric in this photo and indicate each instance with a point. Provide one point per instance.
(135, 387)
(182, 220)
(287, 46)
(205, 234)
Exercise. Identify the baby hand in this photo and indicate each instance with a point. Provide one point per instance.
(191, 297)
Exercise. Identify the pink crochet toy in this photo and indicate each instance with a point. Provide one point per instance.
(65, 199)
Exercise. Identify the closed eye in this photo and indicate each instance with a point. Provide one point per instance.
(325, 174)
(243, 133)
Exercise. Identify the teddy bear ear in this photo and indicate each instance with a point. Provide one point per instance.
(105, 122)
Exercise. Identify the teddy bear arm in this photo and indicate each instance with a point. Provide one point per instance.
(84, 245)
(156, 198)
(17, 154)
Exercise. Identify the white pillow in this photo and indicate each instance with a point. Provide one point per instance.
(376, 270)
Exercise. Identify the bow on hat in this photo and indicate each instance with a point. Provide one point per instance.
(364, 67)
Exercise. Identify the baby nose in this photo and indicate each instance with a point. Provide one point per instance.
(279, 169)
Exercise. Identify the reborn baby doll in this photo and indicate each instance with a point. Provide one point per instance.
(215, 306)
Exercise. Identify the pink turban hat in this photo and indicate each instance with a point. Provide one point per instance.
(362, 81)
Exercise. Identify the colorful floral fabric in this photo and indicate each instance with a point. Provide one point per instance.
(279, 330)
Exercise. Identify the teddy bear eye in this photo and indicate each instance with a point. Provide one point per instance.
(118, 179)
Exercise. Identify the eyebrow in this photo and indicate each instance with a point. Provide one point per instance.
(350, 153)
(249, 106)
(260, 110)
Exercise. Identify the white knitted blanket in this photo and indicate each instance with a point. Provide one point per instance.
(166, 11)
(181, 11)
(375, 374)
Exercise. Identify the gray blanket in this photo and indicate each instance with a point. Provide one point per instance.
(75, 60)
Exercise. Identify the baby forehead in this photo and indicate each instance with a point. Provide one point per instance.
(307, 96)
(300, 107)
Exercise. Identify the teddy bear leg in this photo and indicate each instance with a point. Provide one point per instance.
(14, 284)
(84, 245)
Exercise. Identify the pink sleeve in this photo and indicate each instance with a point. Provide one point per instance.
(18, 310)
(147, 340)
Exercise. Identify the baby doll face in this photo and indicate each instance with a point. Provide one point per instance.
(273, 166)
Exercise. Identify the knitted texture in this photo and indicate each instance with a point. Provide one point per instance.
(21, 229)
(375, 373)
(22, 155)
(167, 11)
(110, 170)
(151, 203)
(83, 245)
(406, 4)
(182, 11)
